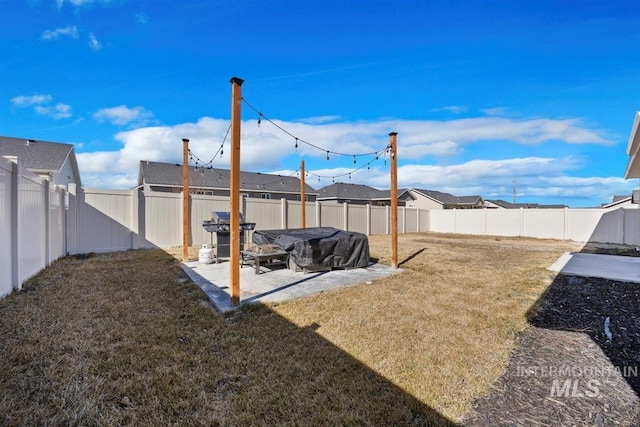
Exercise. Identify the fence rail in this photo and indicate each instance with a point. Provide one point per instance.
(40, 222)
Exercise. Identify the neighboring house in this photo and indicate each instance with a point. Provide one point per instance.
(51, 160)
(430, 199)
(357, 194)
(633, 150)
(501, 204)
(620, 202)
(167, 178)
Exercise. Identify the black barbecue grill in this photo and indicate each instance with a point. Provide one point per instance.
(220, 223)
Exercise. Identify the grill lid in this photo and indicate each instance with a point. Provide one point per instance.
(221, 217)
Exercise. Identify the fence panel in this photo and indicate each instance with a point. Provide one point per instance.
(267, 214)
(503, 222)
(31, 226)
(424, 220)
(6, 228)
(332, 215)
(202, 208)
(443, 221)
(357, 218)
(163, 219)
(632, 227)
(104, 220)
(379, 221)
(543, 223)
(57, 229)
(471, 221)
(411, 220)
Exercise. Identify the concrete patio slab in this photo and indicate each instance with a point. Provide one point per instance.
(613, 267)
(277, 284)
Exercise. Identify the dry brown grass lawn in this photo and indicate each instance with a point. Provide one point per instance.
(124, 338)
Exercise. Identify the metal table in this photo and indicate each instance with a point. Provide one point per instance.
(271, 258)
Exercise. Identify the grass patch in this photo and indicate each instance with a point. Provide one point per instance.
(125, 338)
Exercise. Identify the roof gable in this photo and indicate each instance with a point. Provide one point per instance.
(341, 190)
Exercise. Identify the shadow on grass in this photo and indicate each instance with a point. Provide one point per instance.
(410, 257)
(298, 377)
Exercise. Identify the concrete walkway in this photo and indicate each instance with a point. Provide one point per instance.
(613, 267)
(278, 284)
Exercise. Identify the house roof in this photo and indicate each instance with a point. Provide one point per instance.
(170, 175)
(36, 155)
(617, 200)
(506, 205)
(448, 199)
(341, 190)
(633, 150)
(39, 156)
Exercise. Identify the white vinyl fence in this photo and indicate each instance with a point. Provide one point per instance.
(32, 225)
(40, 222)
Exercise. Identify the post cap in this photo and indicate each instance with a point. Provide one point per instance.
(393, 133)
(236, 80)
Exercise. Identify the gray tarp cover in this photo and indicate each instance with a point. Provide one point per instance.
(319, 247)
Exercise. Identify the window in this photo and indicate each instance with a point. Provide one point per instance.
(266, 195)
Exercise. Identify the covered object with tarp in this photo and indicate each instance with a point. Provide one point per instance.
(319, 248)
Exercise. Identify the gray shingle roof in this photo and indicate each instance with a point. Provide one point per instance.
(168, 174)
(341, 190)
(449, 199)
(41, 156)
(507, 205)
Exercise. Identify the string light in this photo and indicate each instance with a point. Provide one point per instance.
(298, 139)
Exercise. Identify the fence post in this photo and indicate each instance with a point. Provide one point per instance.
(72, 220)
(283, 213)
(404, 220)
(318, 212)
(15, 199)
(387, 213)
(345, 216)
(47, 231)
(368, 211)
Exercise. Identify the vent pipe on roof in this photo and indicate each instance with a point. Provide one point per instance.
(30, 141)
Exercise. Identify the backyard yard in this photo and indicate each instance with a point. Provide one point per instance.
(126, 338)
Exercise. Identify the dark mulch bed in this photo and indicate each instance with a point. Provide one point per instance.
(610, 249)
(568, 346)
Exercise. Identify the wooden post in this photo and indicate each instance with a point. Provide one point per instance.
(303, 208)
(234, 191)
(394, 200)
(185, 200)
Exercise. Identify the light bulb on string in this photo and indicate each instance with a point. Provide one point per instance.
(296, 143)
(259, 121)
(354, 159)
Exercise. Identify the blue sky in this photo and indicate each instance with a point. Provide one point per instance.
(481, 93)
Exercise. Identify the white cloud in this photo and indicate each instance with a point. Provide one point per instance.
(264, 147)
(123, 115)
(78, 3)
(70, 31)
(453, 109)
(28, 101)
(59, 111)
(94, 44)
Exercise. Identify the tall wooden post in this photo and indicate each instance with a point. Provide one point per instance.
(234, 191)
(303, 196)
(394, 200)
(185, 200)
